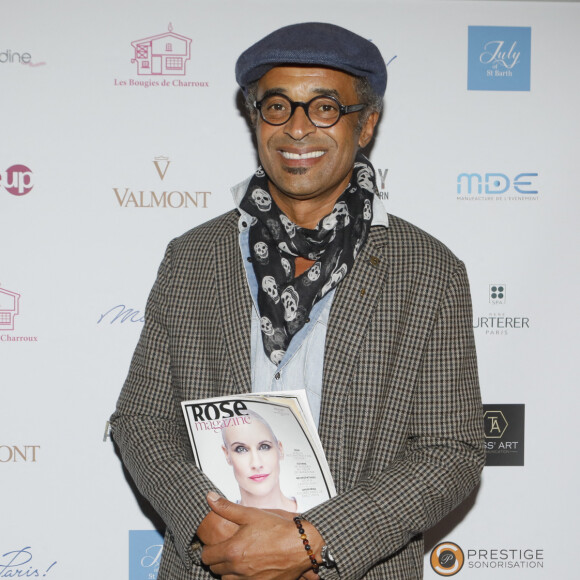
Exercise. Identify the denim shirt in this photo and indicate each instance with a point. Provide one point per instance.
(303, 363)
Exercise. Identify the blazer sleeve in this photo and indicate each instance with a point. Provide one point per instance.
(440, 463)
(151, 437)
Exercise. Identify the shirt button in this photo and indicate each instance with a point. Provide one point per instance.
(277, 376)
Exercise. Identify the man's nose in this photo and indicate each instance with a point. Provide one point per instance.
(299, 125)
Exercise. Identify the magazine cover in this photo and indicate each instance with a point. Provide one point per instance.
(260, 450)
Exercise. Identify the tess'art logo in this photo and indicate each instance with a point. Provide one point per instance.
(447, 559)
(504, 434)
(499, 58)
(17, 180)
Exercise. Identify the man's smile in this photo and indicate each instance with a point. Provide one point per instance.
(309, 155)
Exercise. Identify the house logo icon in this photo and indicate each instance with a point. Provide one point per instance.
(9, 308)
(163, 54)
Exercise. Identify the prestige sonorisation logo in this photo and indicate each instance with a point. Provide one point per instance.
(447, 559)
(167, 199)
(499, 58)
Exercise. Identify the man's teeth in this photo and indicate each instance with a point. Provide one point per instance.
(312, 154)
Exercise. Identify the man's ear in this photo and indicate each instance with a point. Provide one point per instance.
(368, 130)
(227, 455)
(280, 450)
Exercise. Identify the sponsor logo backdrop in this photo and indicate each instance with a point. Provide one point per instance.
(125, 130)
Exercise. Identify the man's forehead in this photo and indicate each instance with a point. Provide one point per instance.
(315, 80)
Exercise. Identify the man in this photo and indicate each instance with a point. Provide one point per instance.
(310, 284)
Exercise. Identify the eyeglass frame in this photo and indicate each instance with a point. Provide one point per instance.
(342, 109)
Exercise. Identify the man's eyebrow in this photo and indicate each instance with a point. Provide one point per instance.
(317, 91)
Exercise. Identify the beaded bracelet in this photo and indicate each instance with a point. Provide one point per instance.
(307, 547)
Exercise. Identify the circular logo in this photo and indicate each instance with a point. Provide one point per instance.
(18, 180)
(447, 559)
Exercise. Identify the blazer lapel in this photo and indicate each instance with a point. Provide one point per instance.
(235, 303)
(351, 311)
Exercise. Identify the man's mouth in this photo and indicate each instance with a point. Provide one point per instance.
(309, 155)
(259, 477)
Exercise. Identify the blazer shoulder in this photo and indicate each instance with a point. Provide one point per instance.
(410, 244)
(207, 235)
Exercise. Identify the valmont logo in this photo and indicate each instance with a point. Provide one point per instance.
(499, 58)
(17, 180)
(493, 186)
(159, 56)
(169, 198)
(145, 548)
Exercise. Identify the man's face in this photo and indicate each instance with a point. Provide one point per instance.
(303, 161)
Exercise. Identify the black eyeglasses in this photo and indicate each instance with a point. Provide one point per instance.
(323, 111)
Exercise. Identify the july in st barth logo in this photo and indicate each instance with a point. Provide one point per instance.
(164, 198)
(158, 59)
(145, 548)
(499, 58)
(9, 310)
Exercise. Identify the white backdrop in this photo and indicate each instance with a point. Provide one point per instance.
(83, 135)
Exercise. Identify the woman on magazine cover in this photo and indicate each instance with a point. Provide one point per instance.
(255, 453)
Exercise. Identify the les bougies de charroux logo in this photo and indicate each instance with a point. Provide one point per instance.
(9, 310)
(500, 323)
(17, 180)
(158, 58)
(167, 199)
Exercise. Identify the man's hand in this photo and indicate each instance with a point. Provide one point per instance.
(266, 545)
(215, 529)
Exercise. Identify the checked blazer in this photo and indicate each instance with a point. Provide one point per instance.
(401, 418)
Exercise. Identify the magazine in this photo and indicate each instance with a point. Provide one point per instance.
(260, 449)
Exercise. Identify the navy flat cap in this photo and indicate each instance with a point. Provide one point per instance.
(314, 44)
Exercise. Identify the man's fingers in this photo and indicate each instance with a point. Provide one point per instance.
(228, 510)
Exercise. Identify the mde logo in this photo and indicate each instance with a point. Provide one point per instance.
(499, 58)
(145, 548)
(447, 559)
(17, 180)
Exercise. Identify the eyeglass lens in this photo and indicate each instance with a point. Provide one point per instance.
(322, 111)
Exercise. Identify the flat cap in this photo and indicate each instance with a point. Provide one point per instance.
(314, 44)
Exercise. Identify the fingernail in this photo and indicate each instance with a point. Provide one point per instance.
(213, 496)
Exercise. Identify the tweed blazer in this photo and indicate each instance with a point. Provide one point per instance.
(401, 418)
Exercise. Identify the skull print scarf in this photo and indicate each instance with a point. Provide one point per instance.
(285, 301)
